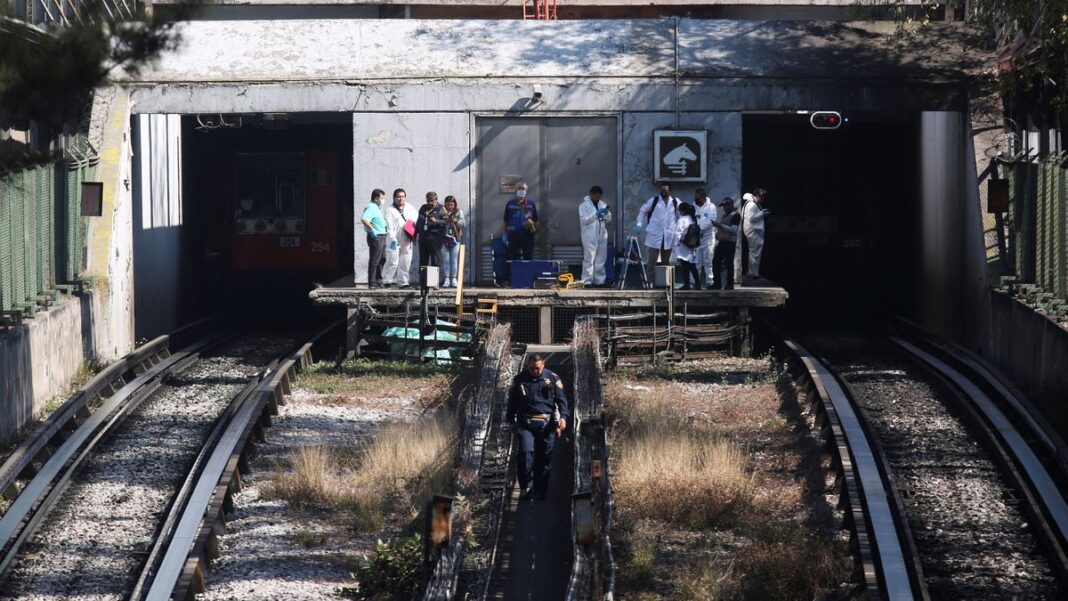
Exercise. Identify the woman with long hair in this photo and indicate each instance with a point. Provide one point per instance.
(454, 236)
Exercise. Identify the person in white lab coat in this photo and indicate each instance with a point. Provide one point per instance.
(594, 218)
(659, 215)
(686, 249)
(753, 214)
(399, 242)
(705, 213)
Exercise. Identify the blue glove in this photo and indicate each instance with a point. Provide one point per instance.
(638, 231)
(393, 245)
(602, 212)
(504, 237)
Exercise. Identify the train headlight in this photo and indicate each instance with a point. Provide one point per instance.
(300, 226)
(261, 226)
(279, 226)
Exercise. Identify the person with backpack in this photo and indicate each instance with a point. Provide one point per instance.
(688, 239)
(658, 216)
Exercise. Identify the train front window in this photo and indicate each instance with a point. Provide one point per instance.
(270, 188)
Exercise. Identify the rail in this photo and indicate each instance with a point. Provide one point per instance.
(448, 560)
(34, 477)
(184, 559)
(593, 569)
(886, 562)
(1008, 423)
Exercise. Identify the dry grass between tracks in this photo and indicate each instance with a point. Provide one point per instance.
(720, 489)
(391, 476)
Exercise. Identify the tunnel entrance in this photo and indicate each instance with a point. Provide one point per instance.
(844, 230)
(268, 203)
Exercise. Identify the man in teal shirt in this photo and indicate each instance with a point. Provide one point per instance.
(374, 223)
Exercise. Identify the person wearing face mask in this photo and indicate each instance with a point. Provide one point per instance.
(521, 223)
(658, 216)
(594, 218)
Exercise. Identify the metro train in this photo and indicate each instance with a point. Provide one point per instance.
(284, 211)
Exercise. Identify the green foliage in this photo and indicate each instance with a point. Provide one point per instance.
(390, 573)
(48, 77)
(1032, 41)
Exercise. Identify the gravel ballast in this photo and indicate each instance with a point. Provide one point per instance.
(271, 552)
(972, 536)
(95, 540)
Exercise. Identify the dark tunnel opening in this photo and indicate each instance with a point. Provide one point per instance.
(843, 236)
(268, 201)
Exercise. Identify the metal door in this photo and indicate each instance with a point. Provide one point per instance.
(559, 158)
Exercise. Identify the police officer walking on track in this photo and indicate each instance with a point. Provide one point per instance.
(538, 406)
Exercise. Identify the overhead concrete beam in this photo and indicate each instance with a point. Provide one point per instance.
(514, 97)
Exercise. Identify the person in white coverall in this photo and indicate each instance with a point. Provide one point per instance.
(705, 213)
(753, 214)
(398, 242)
(594, 218)
(659, 215)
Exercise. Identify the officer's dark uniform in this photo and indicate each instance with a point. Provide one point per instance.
(533, 403)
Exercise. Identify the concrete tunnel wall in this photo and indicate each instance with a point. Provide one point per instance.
(951, 292)
(432, 151)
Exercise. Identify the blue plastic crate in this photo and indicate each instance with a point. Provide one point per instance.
(525, 272)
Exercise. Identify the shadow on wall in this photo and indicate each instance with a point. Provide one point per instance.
(16, 383)
(1032, 351)
(157, 280)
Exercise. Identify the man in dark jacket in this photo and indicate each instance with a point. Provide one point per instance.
(430, 231)
(538, 406)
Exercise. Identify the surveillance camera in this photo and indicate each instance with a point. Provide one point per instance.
(537, 92)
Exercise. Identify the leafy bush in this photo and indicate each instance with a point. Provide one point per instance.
(390, 573)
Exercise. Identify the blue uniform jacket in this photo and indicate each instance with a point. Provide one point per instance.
(515, 216)
(539, 395)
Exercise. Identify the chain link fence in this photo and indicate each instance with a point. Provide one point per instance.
(42, 236)
(1036, 226)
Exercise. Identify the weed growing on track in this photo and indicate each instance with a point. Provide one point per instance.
(392, 475)
(674, 476)
(719, 493)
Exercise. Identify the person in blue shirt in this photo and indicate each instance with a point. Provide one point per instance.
(521, 223)
(374, 223)
(538, 406)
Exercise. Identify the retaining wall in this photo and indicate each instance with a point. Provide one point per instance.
(1032, 351)
(38, 360)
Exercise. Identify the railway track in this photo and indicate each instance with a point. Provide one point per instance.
(119, 486)
(952, 485)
